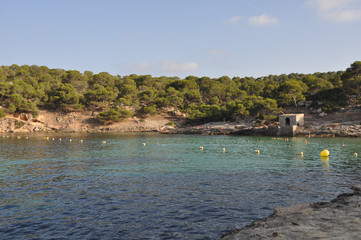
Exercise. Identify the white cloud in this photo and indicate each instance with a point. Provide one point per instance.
(326, 5)
(344, 16)
(234, 19)
(138, 67)
(143, 66)
(337, 10)
(217, 52)
(172, 66)
(262, 20)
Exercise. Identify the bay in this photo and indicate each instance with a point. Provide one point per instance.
(152, 186)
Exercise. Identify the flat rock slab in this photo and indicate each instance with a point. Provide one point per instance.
(338, 219)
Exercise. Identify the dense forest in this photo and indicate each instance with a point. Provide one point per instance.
(25, 89)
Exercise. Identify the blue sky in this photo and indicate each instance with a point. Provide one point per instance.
(182, 37)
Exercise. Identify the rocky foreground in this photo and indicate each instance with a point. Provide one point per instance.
(338, 219)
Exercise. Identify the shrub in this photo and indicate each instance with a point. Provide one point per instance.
(152, 110)
(114, 115)
(171, 123)
(11, 108)
(2, 113)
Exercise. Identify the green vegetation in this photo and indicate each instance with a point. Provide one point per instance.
(171, 123)
(27, 88)
(2, 113)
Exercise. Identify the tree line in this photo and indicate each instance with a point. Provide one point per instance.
(25, 89)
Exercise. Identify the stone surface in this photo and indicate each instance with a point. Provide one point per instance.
(322, 114)
(338, 219)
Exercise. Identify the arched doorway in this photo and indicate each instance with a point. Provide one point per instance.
(288, 121)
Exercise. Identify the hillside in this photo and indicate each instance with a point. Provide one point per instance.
(86, 121)
(94, 100)
(346, 119)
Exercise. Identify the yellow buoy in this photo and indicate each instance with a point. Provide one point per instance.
(355, 154)
(301, 153)
(257, 151)
(325, 153)
(224, 149)
(104, 142)
(201, 148)
(144, 144)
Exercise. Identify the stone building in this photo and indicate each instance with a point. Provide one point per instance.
(290, 124)
(292, 120)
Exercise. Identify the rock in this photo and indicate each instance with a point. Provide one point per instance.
(337, 219)
(323, 114)
(356, 188)
(25, 116)
(283, 211)
(308, 103)
(319, 110)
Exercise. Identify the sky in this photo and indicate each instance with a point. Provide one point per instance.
(211, 38)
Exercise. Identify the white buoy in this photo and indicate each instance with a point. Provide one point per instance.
(81, 141)
(104, 142)
(70, 140)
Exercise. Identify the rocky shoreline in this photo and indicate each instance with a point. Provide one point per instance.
(345, 123)
(338, 219)
(326, 130)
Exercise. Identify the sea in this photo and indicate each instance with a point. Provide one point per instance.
(159, 186)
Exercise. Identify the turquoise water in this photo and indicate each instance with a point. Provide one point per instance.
(165, 189)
